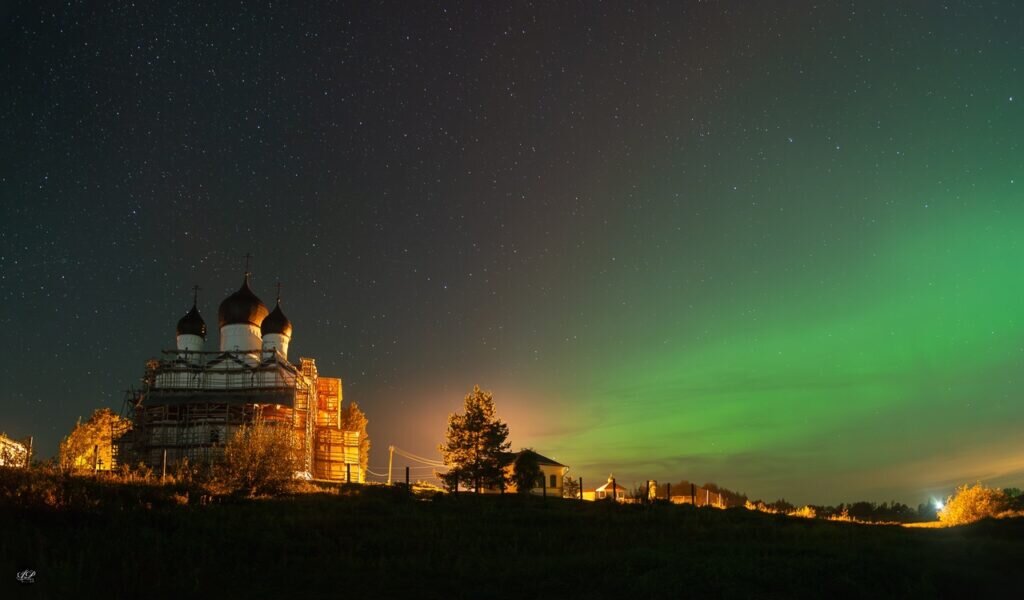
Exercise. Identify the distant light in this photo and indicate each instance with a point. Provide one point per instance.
(939, 505)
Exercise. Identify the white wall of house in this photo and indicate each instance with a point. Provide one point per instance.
(552, 481)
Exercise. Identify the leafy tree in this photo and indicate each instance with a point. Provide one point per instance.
(526, 471)
(89, 445)
(973, 503)
(781, 506)
(863, 510)
(475, 450)
(353, 419)
(570, 487)
(259, 459)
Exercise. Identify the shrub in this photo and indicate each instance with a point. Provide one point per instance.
(258, 460)
(806, 512)
(973, 503)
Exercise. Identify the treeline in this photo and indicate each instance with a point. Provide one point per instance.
(871, 512)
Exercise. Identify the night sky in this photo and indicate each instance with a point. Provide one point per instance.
(779, 248)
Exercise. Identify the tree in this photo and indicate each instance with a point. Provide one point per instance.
(475, 447)
(259, 459)
(973, 503)
(353, 419)
(89, 445)
(525, 471)
(570, 487)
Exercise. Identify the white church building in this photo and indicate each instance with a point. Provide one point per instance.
(194, 398)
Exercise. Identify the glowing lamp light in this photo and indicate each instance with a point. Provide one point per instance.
(939, 505)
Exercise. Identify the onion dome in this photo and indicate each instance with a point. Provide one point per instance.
(192, 323)
(242, 307)
(276, 322)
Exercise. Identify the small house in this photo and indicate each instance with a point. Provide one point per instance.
(552, 475)
(611, 489)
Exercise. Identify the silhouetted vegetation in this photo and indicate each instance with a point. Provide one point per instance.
(95, 537)
(526, 472)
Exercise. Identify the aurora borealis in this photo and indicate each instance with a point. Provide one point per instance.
(774, 248)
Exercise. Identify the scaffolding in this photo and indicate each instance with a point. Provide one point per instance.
(192, 403)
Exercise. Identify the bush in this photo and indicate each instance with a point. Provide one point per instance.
(259, 460)
(806, 512)
(973, 503)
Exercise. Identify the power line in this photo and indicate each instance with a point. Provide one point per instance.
(426, 461)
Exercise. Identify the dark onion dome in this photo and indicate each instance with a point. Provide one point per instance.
(192, 323)
(276, 322)
(242, 307)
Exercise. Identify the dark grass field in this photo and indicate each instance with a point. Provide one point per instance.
(137, 541)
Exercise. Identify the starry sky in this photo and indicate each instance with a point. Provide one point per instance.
(774, 247)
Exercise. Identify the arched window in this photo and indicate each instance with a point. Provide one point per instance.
(554, 482)
(540, 480)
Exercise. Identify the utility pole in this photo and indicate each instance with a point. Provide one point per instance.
(391, 458)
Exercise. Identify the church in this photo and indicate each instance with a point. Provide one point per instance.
(193, 400)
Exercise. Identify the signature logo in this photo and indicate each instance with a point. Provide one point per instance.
(27, 576)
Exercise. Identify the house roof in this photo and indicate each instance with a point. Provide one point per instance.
(541, 459)
(607, 487)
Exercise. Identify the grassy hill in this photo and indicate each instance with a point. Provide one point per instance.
(130, 541)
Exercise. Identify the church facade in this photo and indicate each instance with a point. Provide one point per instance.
(193, 400)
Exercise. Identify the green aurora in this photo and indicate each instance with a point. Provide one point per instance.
(772, 245)
(913, 355)
(825, 307)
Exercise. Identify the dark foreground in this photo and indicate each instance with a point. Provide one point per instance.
(137, 541)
